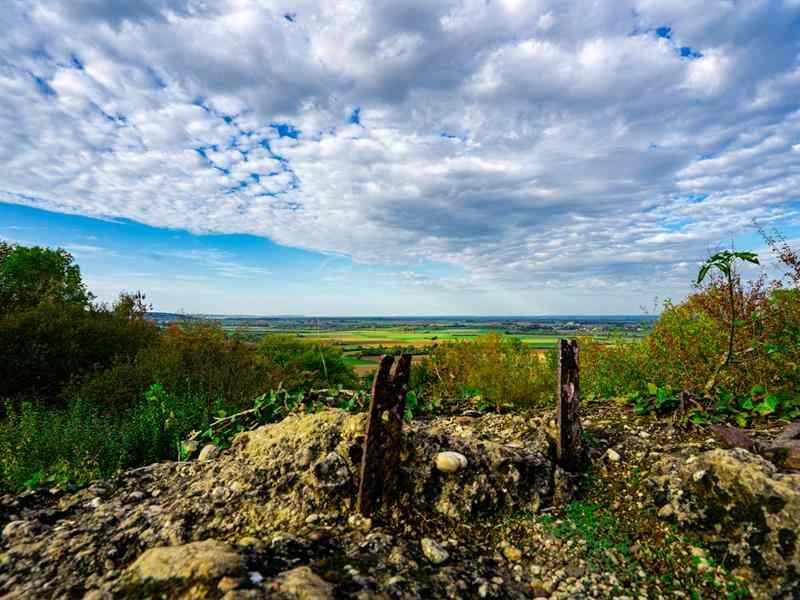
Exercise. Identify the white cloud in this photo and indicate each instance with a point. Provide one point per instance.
(219, 262)
(529, 144)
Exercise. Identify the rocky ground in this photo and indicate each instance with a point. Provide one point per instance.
(662, 512)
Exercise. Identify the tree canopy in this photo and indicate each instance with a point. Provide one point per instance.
(30, 276)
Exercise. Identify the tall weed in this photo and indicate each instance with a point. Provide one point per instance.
(81, 442)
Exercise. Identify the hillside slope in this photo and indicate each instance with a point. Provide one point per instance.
(273, 517)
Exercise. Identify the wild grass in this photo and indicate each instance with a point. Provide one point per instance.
(80, 442)
(134, 408)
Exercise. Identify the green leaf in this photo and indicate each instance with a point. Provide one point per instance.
(652, 389)
(697, 418)
(750, 257)
(703, 272)
(768, 406)
(35, 479)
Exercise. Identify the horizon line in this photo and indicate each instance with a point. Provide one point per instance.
(398, 316)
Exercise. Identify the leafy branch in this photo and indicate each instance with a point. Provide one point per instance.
(724, 262)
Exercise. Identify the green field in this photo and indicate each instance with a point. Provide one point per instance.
(363, 340)
(396, 336)
(401, 336)
(363, 347)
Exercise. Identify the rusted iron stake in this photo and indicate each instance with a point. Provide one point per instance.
(383, 436)
(568, 445)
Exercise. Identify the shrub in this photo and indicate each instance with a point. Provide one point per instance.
(201, 358)
(780, 344)
(488, 372)
(307, 363)
(612, 369)
(749, 369)
(81, 442)
(43, 348)
(155, 427)
(196, 358)
(39, 443)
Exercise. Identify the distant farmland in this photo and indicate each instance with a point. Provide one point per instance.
(364, 339)
(364, 342)
(397, 336)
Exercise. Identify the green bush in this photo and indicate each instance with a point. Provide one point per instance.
(155, 427)
(39, 443)
(307, 363)
(614, 368)
(43, 348)
(688, 349)
(197, 358)
(490, 372)
(80, 442)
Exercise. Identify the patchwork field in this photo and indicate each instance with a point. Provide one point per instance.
(417, 337)
(364, 342)
(365, 339)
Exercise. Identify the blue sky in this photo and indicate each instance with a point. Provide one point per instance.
(231, 274)
(459, 156)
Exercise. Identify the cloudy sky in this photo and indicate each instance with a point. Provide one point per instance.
(385, 157)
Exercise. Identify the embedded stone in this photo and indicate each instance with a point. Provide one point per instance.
(209, 559)
(303, 584)
(450, 462)
(209, 452)
(434, 551)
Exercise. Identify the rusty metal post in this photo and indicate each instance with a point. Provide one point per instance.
(568, 445)
(383, 437)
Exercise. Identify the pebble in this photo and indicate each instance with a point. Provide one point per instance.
(574, 570)
(450, 462)
(666, 511)
(538, 591)
(255, 577)
(15, 527)
(396, 580)
(359, 522)
(248, 541)
(512, 553)
(226, 584)
(434, 551)
(698, 552)
(698, 475)
(613, 455)
(209, 452)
